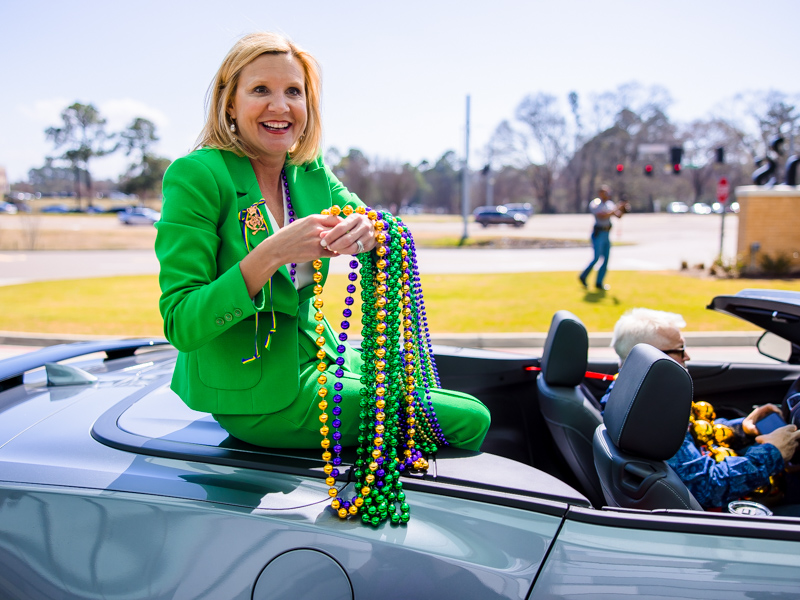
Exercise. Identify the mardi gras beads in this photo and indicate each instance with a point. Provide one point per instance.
(395, 425)
(713, 438)
(322, 379)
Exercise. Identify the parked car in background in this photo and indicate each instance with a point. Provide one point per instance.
(731, 207)
(111, 484)
(701, 208)
(139, 216)
(499, 215)
(523, 207)
(60, 209)
(677, 207)
(118, 209)
(8, 208)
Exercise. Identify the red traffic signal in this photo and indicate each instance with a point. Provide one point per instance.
(620, 168)
(676, 154)
(648, 170)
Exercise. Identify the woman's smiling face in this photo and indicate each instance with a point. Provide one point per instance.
(269, 105)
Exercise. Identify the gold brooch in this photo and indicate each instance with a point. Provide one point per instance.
(254, 221)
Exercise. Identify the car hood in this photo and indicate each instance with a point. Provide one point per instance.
(776, 311)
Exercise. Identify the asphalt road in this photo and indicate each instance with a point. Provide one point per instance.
(643, 242)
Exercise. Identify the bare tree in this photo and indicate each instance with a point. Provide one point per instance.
(575, 166)
(535, 143)
(547, 130)
(442, 184)
(700, 140)
(354, 171)
(396, 184)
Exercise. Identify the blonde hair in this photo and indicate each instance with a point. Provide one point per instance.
(216, 132)
(643, 326)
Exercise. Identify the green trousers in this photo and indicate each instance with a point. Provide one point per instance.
(464, 419)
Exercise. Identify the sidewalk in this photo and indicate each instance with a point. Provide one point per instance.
(712, 346)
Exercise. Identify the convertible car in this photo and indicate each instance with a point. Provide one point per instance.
(110, 487)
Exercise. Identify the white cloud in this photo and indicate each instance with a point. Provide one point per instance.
(44, 112)
(121, 112)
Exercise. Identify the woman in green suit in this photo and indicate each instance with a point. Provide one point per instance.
(240, 225)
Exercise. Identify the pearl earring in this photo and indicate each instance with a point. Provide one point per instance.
(233, 127)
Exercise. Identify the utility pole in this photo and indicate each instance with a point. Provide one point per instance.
(489, 186)
(465, 180)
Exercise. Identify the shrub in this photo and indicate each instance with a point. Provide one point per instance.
(779, 265)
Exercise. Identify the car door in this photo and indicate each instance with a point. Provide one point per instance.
(612, 554)
(734, 388)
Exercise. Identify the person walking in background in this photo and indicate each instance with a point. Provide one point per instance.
(603, 209)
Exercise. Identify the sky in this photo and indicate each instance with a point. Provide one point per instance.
(396, 75)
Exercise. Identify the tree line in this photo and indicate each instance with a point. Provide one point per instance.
(82, 137)
(557, 159)
(553, 154)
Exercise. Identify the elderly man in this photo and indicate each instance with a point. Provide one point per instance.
(713, 483)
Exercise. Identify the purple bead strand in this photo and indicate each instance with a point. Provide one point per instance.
(290, 212)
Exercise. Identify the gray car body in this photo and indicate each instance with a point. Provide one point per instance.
(110, 487)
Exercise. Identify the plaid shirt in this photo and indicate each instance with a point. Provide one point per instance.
(713, 483)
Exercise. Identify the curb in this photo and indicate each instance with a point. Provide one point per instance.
(467, 340)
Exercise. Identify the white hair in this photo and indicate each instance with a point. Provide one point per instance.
(643, 326)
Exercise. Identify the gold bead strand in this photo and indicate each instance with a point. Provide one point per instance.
(322, 380)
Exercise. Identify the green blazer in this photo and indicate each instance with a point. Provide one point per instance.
(208, 315)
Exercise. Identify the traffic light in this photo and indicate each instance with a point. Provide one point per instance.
(620, 168)
(721, 155)
(676, 154)
(648, 170)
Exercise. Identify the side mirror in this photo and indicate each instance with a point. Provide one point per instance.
(774, 346)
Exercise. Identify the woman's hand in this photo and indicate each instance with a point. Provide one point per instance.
(298, 242)
(344, 238)
(749, 423)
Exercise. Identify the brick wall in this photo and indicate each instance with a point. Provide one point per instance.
(769, 217)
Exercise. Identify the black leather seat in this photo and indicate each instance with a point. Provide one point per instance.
(572, 414)
(645, 422)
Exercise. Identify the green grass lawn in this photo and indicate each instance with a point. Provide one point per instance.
(483, 303)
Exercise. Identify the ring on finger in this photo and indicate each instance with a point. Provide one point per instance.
(360, 246)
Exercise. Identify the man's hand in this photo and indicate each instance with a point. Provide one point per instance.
(749, 424)
(785, 439)
(620, 209)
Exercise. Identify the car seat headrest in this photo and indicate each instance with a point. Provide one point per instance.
(647, 413)
(566, 351)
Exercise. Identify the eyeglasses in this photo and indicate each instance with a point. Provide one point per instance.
(677, 351)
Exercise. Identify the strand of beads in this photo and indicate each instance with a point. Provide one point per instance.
(425, 343)
(378, 476)
(716, 439)
(395, 426)
(322, 380)
(427, 371)
(343, 507)
(290, 213)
